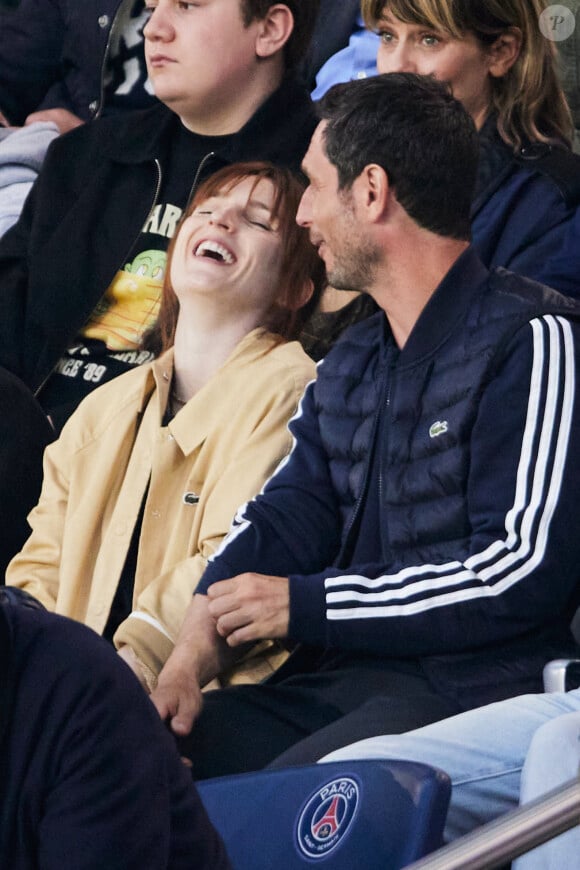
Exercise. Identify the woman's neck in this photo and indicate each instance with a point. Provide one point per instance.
(203, 342)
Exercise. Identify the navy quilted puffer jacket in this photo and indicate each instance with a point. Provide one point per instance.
(457, 540)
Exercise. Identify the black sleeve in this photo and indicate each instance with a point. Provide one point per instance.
(24, 433)
(103, 786)
(31, 41)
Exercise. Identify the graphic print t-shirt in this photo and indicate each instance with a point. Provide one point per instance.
(130, 304)
(110, 342)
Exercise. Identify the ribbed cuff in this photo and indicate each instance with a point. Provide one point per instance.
(151, 646)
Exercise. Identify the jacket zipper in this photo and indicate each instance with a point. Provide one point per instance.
(390, 369)
(194, 185)
(380, 466)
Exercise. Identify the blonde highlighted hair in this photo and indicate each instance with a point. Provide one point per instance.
(529, 100)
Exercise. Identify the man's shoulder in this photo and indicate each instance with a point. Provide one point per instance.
(520, 293)
(507, 304)
(23, 148)
(353, 353)
(289, 98)
(280, 129)
(358, 336)
(118, 135)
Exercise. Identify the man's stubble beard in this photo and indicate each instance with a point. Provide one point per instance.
(355, 265)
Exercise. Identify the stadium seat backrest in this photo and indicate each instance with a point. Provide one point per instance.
(340, 815)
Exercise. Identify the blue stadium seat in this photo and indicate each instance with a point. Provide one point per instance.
(341, 815)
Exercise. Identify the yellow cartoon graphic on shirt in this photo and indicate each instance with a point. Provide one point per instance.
(131, 304)
(151, 263)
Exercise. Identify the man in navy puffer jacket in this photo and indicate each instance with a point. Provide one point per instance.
(421, 542)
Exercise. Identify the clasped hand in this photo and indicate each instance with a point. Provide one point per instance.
(246, 608)
(250, 607)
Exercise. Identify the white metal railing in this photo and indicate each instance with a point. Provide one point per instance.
(497, 843)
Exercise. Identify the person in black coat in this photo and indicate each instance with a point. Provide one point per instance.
(24, 433)
(89, 777)
(60, 59)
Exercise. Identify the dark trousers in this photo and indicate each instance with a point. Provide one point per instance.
(302, 717)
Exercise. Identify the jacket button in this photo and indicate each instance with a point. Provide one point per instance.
(93, 105)
(103, 21)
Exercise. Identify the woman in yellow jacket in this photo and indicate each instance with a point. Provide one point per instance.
(145, 479)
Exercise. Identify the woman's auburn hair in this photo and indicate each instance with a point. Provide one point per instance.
(529, 100)
(300, 265)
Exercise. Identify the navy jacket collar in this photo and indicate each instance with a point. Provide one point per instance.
(446, 307)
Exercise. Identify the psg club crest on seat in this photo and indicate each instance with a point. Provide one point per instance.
(326, 817)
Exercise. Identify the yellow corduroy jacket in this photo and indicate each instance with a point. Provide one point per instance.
(213, 456)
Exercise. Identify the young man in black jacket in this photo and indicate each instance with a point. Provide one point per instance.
(24, 433)
(81, 271)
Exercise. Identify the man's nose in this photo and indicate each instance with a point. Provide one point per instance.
(159, 25)
(304, 212)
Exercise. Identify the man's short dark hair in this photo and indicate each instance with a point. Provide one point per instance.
(418, 132)
(304, 13)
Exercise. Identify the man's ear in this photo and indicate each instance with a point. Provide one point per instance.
(274, 30)
(372, 191)
(504, 52)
